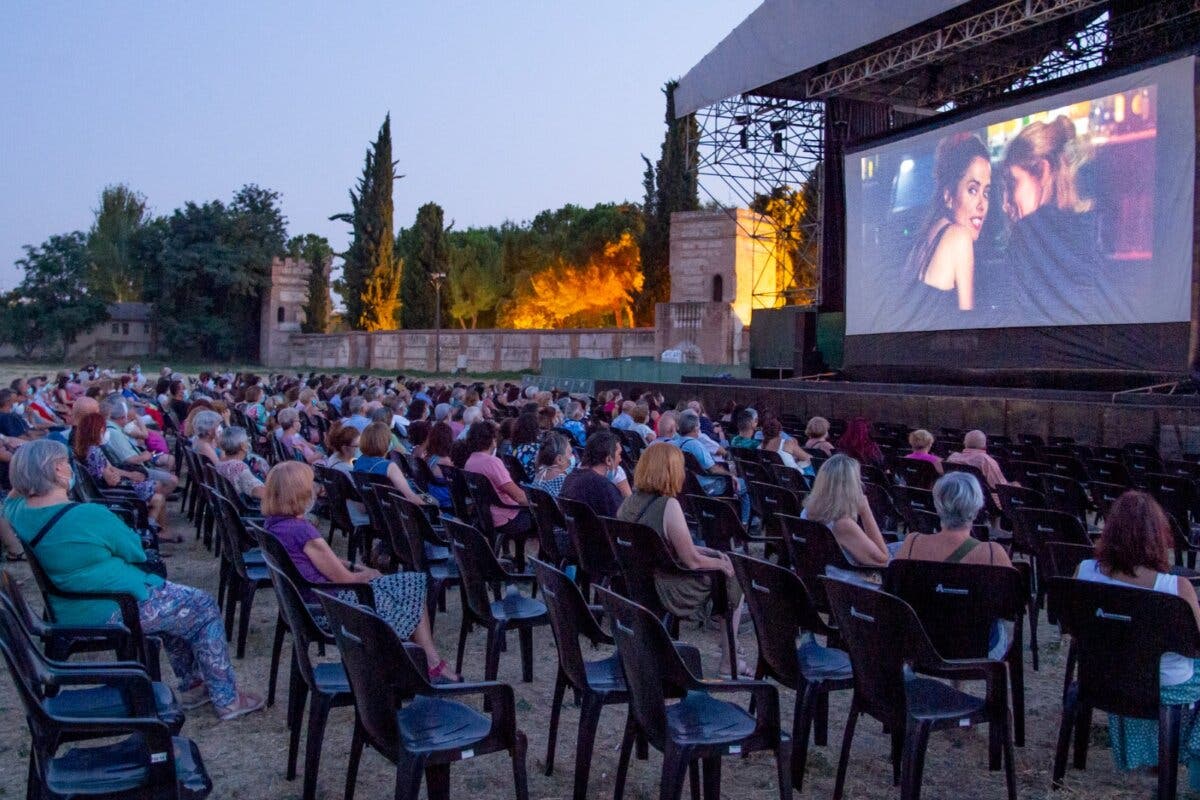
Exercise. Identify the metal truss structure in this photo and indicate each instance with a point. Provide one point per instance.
(774, 137)
(757, 145)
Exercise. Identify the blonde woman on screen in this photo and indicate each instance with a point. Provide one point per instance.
(942, 262)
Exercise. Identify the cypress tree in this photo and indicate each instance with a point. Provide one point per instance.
(371, 274)
(315, 250)
(425, 254)
(670, 185)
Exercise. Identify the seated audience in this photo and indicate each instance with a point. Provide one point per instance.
(288, 433)
(715, 477)
(399, 598)
(1135, 549)
(205, 428)
(342, 444)
(90, 435)
(920, 441)
(658, 480)
(526, 441)
(555, 461)
(574, 422)
(745, 422)
(508, 522)
(640, 416)
(356, 418)
(837, 501)
(123, 453)
(817, 432)
(857, 443)
(975, 454)
(437, 452)
(624, 420)
(957, 497)
(86, 548)
(12, 416)
(374, 443)
(789, 450)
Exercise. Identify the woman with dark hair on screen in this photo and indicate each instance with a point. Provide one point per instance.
(1054, 244)
(942, 262)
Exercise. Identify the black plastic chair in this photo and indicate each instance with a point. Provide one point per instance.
(883, 635)
(551, 527)
(483, 498)
(460, 495)
(783, 610)
(1106, 471)
(643, 556)
(990, 507)
(1103, 495)
(720, 527)
(699, 728)
(479, 567)
(326, 681)
(1119, 636)
(812, 547)
(597, 564)
(595, 683)
(243, 577)
(916, 472)
(417, 726)
(60, 642)
(1018, 497)
(417, 534)
(147, 761)
(1065, 494)
(137, 647)
(959, 605)
(774, 500)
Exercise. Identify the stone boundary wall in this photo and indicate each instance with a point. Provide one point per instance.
(487, 350)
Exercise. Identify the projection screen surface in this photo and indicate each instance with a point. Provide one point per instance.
(1074, 209)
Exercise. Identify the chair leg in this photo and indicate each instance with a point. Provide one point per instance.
(1168, 751)
(711, 768)
(1010, 765)
(916, 741)
(408, 776)
(462, 643)
(492, 655)
(1034, 612)
(1016, 674)
(356, 748)
(296, 700)
(897, 756)
(675, 766)
(318, 715)
(247, 601)
(276, 654)
(232, 592)
(623, 758)
(802, 720)
(589, 721)
(560, 689)
(520, 778)
(844, 758)
(1070, 710)
(693, 772)
(1083, 731)
(783, 767)
(525, 636)
(437, 782)
(821, 720)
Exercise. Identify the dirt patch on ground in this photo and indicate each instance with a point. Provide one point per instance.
(247, 758)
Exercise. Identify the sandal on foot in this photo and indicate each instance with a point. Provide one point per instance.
(245, 704)
(11, 557)
(437, 674)
(194, 697)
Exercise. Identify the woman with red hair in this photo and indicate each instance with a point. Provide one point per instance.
(1134, 551)
(856, 442)
(91, 435)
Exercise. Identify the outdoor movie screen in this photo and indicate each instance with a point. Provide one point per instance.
(1075, 209)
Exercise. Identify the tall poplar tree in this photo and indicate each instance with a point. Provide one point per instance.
(315, 250)
(425, 253)
(370, 282)
(670, 185)
(114, 274)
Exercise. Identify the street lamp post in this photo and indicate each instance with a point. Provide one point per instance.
(437, 278)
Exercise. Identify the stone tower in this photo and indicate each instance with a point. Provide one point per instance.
(282, 309)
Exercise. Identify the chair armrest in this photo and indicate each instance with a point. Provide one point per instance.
(964, 669)
(134, 683)
(690, 655)
(114, 631)
(363, 592)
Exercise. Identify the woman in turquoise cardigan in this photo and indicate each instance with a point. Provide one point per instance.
(84, 547)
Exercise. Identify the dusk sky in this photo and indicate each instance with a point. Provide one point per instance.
(499, 109)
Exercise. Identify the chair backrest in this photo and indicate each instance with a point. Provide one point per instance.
(483, 497)
(547, 518)
(235, 539)
(1019, 497)
(1120, 635)
(811, 548)
(335, 498)
(989, 503)
(774, 500)
(1028, 472)
(11, 591)
(516, 470)
(570, 619)
(1100, 469)
(477, 565)
(781, 609)
(957, 603)
(880, 632)
(460, 494)
(639, 550)
(588, 539)
(296, 615)
(1033, 527)
(1175, 493)
(720, 526)
(883, 508)
(916, 472)
(789, 478)
(647, 658)
(416, 529)
(1104, 494)
(1065, 494)
(1065, 558)
(379, 670)
(1068, 465)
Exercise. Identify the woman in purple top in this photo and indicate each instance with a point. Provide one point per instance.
(399, 598)
(920, 441)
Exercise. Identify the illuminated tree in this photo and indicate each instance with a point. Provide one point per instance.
(114, 273)
(795, 217)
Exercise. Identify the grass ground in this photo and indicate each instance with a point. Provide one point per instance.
(247, 757)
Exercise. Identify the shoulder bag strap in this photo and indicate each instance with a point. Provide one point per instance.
(41, 534)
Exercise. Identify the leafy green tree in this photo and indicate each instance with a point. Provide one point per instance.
(797, 237)
(211, 265)
(51, 305)
(371, 271)
(673, 188)
(475, 283)
(315, 250)
(425, 254)
(114, 272)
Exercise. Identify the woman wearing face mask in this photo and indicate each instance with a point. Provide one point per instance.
(90, 437)
(86, 548)
(942, 262)
(206, 427)
(436, 451)
(1054, 244)
(342, 444)
(510, 523)
(399, 598)
(374, 444)
(555, 461)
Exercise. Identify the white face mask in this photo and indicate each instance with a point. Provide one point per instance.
(19, 409)
(105, 437)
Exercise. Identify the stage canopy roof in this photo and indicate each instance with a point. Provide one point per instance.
(783, 37)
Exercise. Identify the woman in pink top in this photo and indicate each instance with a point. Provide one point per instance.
(510, 523)
(920, 441)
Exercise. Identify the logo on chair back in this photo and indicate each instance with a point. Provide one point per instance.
(940, 589)
(854, 612)
(1102, 614)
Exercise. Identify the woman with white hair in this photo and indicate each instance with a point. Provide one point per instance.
(288, 432)
(206, 426)
(87, 549)
(957, 497)
(838, 502)
(235, 450)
